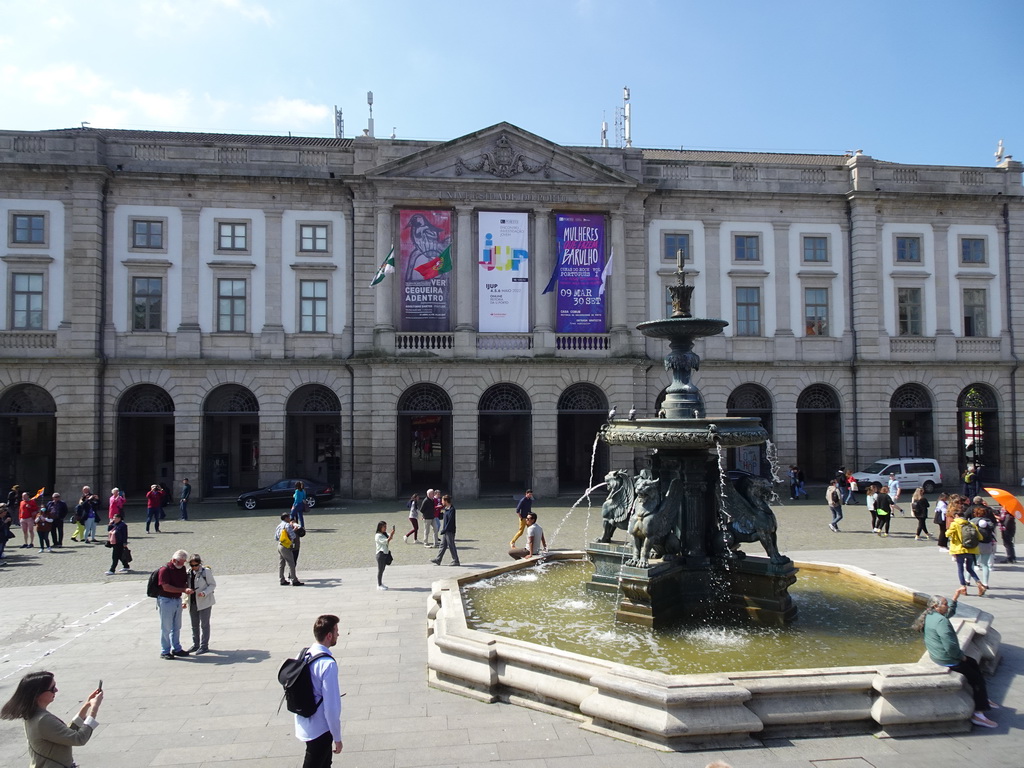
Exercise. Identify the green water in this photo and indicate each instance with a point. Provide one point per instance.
(841, 622)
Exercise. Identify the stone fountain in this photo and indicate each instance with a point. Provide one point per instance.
(683, 518)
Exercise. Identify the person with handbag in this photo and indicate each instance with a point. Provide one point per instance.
(117, 540)
(43, 523)
(200, 605)
(285, 537)
(298, 532)
(49, 739)
(384, 557)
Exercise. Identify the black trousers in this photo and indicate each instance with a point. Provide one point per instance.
(318, 751)
(972, 674)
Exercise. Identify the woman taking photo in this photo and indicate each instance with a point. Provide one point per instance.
(49, 739)
(382, 540)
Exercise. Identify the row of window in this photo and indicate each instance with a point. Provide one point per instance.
(747, 248)
(910, 311)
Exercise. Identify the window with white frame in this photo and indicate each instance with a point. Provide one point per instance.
(972, 250)
(674, 242)
(910, 311)
(147, 303)
(314, 238)
(233, 236)
(908, 250)
(975, 312)
(148, 234)
(313, 306)
(748, 311)
(28, 229)
(815, 249)
(231, 305)
(747, 247)
(816, 311)
(27, 302)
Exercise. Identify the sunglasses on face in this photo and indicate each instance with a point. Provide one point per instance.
(52, 689)
(195, 564)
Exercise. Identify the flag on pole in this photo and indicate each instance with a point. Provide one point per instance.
(554, 277)
(437, 266)
(387, 267)
(606, 272)
(39, 493)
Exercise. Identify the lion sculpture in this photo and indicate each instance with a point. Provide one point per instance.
(651, 526)
(747, 517)
(616, 508)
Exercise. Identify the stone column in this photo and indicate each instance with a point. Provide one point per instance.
(271, 335)
(545, 304)
(465, 287)
(788, 293)
(945, 275)
(615, 293)
(714, 347)
(188, 337)
(188, 420)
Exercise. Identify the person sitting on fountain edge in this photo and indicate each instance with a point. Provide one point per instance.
(536, 544)
(944, 649)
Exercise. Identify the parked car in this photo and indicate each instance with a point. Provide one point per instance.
(280, 494)
(911, 472)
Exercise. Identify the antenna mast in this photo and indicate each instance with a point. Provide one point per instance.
(369, 125)
(339, 124)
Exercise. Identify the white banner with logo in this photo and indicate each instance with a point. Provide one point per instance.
(504, 272)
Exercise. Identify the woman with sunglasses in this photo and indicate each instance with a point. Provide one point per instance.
(49, 739)
(200, 606)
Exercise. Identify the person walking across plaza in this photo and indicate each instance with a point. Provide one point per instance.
(57, 510)
(536, 544)
(919, 508)
(117, 538)
(984, 520)
(850, 488)
(414, 520)
(154, 507)
(940, 520)
(963, 547)
(382, 541)
(894, 494)
(834, 500)
(523, 508)
(321, 731)
(183, 497)
(299, 503)
(200, 605)
(427, 513)
(285, 536)
(447, 533)
(943, 647)
(173, 583)
(883, 512)
(1008, 529)
(50, 739)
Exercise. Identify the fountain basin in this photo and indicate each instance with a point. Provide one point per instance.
(702, 711)
(676, 327)
(687, 434)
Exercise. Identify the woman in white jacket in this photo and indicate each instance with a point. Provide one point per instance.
(200, 579)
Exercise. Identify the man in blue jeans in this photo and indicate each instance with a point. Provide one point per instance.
(173, 581)
(186, 491)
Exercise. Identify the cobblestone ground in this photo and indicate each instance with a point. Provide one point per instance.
(235, 541)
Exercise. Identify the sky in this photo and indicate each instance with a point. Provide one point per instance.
(909, 81)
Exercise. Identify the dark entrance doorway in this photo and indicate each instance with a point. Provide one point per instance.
(145, 440)
(582, 410)
(313, 435)
(910, 422)
(978, 426)
(819, 440)
(505, 454)
(28, 442)
(231, 441)
(424, 439)
(751, 400)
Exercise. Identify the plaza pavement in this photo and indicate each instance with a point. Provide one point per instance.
(60, 613)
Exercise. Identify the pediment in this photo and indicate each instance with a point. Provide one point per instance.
(502, 152)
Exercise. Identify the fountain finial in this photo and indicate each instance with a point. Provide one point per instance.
(681, 292)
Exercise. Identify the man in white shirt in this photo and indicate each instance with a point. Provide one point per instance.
(536, 544)
(894, 493)
(322, 731)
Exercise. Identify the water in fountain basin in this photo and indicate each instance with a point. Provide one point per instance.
(839, 624)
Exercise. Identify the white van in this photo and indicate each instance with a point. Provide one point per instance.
(910, 472)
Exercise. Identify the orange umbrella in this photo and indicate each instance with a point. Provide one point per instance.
(1007, 501)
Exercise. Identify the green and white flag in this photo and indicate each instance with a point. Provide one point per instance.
(387, 267)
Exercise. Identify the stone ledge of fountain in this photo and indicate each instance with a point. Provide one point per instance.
(686, 434)
(704, 711)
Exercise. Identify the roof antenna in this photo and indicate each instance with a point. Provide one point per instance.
(339, 124)
(626, 122)
(604, 131)
(369, 125)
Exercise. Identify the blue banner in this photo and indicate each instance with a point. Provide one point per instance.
(580, 271)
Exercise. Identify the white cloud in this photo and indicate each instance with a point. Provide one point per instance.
(159, 108)
(295, 114)
(251, 11)
(54, 84)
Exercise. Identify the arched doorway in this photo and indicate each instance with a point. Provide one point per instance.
(751, 400)
(145, 439)
(231, 440)
(978, 428)
(28, 439)
(910, 422)
(505, 453)
(313, 435)
(424, 439)
(819, 440)
(582, 409)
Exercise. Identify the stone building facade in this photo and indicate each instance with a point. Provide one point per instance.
(199, 305)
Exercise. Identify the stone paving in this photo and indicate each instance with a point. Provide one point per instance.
(60, 613)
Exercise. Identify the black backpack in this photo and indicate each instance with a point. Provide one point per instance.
(969, 535)
(295, 678)
(153, 585)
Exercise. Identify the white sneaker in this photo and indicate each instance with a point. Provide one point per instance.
(109, 573)
(405, 539)
(382, 588)
(124, 570)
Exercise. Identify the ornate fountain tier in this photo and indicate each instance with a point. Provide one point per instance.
(676, 327)
(686, 434)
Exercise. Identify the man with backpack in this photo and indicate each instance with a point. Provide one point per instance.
(172, 583)
(321, 730)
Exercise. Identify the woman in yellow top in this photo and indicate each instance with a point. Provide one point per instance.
(49, 739)
(963, 546)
